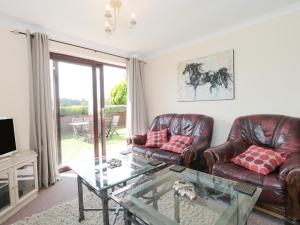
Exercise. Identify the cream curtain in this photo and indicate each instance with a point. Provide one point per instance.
(137, 120)
(42, 118)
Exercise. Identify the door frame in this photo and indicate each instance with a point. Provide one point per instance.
(58, 57)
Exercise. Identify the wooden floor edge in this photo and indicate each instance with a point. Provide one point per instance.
(269, 212)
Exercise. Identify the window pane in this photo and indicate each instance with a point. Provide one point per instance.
(25, 178)
(115, 91)
(4, 192)
(76, 111)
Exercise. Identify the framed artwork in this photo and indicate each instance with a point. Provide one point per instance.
(207, 78)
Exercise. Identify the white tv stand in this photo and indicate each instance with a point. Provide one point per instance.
(4, 159)
(18, 182)
(8, 157)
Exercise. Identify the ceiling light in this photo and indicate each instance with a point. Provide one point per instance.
(112, 19)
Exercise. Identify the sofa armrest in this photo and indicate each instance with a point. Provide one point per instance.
(137, 139)
(293, 195)
(291, 162)
(129, 141)
(193, 152)
(223, 153)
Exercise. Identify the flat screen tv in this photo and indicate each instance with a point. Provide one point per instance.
(7, 137)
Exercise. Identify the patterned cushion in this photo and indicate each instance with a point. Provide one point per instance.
(156, 139)
(178, 143)
(259, 160)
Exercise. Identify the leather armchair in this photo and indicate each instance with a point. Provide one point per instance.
(137, 139)
(276, 132)
(198, 126)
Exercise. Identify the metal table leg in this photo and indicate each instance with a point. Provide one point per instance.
(127, 217)
(155, 199)
(176, 208)
(105, 210)
(80, 199)
(118, 209)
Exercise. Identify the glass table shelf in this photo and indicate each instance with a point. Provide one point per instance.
(154, 201)
(99, 177)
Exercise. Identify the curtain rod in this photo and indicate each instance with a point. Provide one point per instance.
(77, 46)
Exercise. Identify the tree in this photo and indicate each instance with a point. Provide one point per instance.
(118, 94)
(69, 102)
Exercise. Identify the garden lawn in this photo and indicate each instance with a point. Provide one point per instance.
(74, 149)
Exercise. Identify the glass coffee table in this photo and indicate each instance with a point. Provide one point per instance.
(154, 201)
(100, 177)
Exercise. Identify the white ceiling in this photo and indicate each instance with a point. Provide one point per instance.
(162, 24)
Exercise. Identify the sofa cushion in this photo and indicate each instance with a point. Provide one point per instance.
(156, 153)
(178, 143)
(156, 139)
(258, 159)
(274, 189)
(141, 149)
(232, 171)
(167, 157)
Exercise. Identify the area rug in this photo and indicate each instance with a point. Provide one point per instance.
(67, 214)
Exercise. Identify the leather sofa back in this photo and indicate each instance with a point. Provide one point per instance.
(198, 126)
(278, 132)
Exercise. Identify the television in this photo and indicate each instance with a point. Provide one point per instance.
(7, 137)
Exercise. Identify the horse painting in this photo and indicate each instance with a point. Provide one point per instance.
(206, 78)
(198, 77)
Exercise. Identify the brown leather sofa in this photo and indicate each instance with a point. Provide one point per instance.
(198, 126)
(280, 133)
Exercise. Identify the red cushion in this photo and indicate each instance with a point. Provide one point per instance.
(178, 143)
(156, 139)
(258, 159)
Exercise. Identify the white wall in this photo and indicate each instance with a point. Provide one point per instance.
(14, 84)
(267, 75)
(87, 54)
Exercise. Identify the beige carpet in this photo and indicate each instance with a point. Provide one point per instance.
(63, 191)
(67, 214)
(53, 206)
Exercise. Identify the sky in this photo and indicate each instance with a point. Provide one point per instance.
(75, 81)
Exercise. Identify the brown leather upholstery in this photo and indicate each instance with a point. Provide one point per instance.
(276, 132)
(198, 126)
(156, 153)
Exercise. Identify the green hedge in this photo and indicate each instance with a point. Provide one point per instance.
(74, 110)
(115, 108)
(83, 110)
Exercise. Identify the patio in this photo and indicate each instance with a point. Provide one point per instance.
(76, 148)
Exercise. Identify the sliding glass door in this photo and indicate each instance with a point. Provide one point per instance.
(91, 107)
(78, 103)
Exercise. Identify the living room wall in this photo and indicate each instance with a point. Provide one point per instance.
(14, 84)
(267, 74)
(83, 53)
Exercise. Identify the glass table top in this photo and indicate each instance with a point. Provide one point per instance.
(155, 202)
(98, 174)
